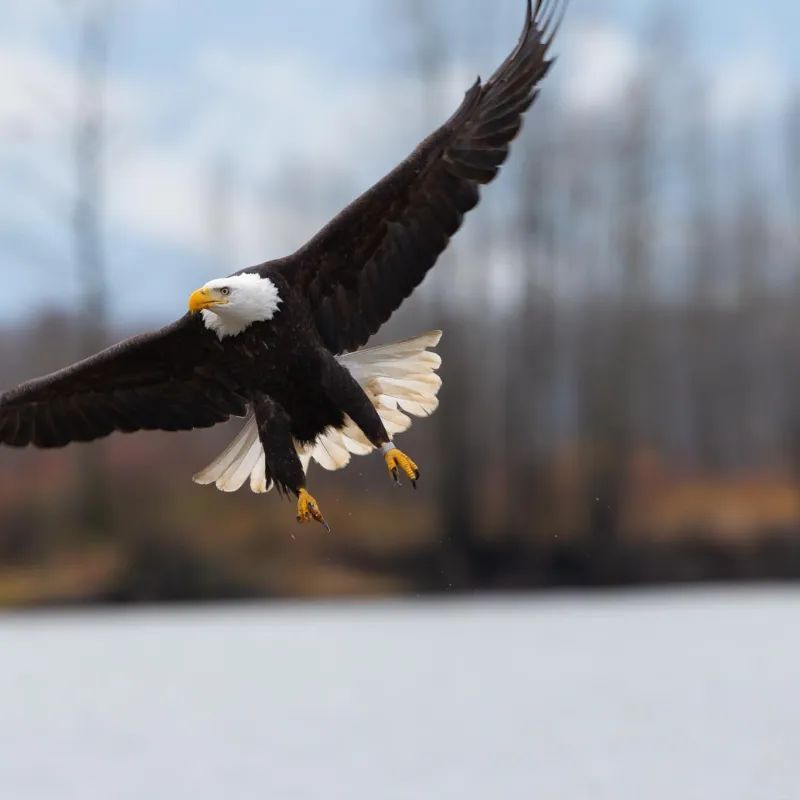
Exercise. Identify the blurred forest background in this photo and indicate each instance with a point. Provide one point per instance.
(621, 400)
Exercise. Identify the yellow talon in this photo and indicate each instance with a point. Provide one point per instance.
(308, 510)
(396, 460)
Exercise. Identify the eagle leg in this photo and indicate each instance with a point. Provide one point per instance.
(396, 460)
(282, 461)
(308, 510)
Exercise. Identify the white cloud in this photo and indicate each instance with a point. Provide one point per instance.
(32, 87)
(166, 197)
(277, 107)
(31, 14)
(602, 61)
(752, 86)
(160, 196)
(38, 95)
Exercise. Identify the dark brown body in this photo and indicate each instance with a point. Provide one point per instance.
(295, 385)
(286, 360)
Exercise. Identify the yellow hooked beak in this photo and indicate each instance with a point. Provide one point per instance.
(202, 299)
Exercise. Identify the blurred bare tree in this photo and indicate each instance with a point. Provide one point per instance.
(93, 26)
(460, 465)
(220, 224)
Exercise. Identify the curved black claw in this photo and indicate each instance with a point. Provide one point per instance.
(308, 510)
(396, 461)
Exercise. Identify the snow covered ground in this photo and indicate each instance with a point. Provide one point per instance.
(618, 697)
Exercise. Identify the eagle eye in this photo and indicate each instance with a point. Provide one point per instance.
(225, 291)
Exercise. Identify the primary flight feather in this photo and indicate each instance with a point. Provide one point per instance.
(279, 343)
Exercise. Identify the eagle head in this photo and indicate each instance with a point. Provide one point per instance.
(231, 305)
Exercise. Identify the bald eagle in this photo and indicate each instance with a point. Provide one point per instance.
(279, 343)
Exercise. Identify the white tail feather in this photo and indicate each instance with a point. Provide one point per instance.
(230, 457)
(258, 478)
(400, 379)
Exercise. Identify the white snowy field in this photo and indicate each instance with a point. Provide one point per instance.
(617, 697)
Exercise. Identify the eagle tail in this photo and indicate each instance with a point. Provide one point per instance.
(401, 381)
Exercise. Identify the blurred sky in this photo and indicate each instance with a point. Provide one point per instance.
(288, 110)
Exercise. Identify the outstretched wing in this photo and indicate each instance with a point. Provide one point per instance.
(170, 380)
(358, 270)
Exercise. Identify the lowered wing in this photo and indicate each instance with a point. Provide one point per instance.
(172, 380)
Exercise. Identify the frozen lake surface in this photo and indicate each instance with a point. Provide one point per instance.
(619, 697)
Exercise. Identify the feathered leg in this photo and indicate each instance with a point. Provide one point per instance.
(283, 463)
(345, 391)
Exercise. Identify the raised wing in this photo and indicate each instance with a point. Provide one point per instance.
(358, 270)
(172, 380)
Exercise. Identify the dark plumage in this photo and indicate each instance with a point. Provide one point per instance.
(334, 293)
